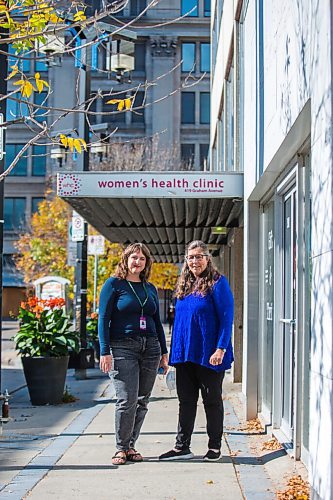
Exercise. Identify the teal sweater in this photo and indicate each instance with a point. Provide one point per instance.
(119, 313)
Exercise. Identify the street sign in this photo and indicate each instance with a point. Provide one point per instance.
(71, 247)
(96, 244)
(77, 228)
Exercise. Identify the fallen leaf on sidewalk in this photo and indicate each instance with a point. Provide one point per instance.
(235, 453)
(253, 426)
(272, 445)
(297, 489)
(210, 481)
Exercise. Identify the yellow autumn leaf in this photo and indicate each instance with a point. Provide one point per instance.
(71, 143)
(128, 103)
(40, 83)
(121, 104)
(13, 73)
(27, 89)
(19, 82)
(113, 101)
(54, 19)
(77, 145)
(64, 140)
(79, 16)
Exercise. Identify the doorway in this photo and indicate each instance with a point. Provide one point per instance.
(288, 309)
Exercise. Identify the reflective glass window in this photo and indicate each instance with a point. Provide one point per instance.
(188, 107)
(21, 167)
(38, 160)
(188, 56)
(205, 57)
(204, 107)
(190, 8)
(14, 214)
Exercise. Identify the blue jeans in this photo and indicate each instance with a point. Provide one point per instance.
(136, 360)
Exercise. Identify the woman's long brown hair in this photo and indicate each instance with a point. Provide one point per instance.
(188, 283)
(122, 268)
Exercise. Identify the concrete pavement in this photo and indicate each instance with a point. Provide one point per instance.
(65, 451)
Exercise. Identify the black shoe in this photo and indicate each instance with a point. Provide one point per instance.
(185, 454)
(212, 456)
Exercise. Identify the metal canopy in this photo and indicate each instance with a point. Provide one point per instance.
(165, 219)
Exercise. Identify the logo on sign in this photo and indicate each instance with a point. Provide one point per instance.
(69, 184)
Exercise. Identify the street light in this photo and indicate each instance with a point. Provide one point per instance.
(58, 153)
(54, 43)
(121, 58)
(99, 148)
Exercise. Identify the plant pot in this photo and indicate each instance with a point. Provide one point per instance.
(45, 378)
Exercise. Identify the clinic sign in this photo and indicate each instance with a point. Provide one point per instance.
(150, 185)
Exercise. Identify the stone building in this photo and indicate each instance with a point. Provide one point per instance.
(176, 115)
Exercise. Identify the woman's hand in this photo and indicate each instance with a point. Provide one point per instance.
(217, 357)
(164, 363)
(105, 363)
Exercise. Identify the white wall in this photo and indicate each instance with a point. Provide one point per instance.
(297, 55)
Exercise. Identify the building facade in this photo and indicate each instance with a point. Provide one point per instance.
(271, 116)
(176, 113)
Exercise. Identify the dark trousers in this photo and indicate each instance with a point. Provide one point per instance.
(191, 377)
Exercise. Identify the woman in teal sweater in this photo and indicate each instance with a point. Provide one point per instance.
(201, 349)
(132, 344)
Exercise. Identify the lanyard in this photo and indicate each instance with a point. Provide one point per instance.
(142, 304)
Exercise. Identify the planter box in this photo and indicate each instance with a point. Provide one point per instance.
(45, 378)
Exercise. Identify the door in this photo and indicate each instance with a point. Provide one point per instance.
(288, 321)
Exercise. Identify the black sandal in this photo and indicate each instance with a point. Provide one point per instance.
(135, 456)
(119, 458)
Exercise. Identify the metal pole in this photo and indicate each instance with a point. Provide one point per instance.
(3, 91)
(81, 269)
(95, 281)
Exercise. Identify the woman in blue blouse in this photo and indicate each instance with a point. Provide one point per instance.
(132, 343)
(201, 349)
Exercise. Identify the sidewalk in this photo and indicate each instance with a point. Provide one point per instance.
(65, 451)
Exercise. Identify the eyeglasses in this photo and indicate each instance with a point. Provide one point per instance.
(198, 256)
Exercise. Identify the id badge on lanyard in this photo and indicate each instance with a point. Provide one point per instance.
(143, 323)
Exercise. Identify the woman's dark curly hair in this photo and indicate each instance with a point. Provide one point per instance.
(122, 268)
(188, 283)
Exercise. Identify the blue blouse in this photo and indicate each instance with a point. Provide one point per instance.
(203, 324)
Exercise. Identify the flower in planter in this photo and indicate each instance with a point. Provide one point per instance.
(92, 327)
(45, 329)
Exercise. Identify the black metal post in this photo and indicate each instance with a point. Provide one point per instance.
(3, 91)
(81, 270)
